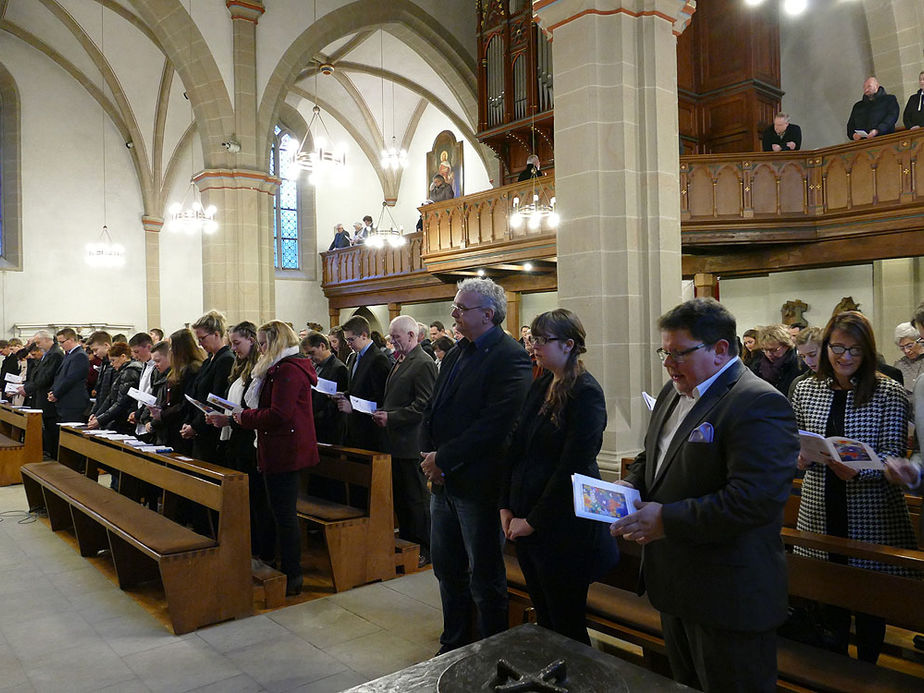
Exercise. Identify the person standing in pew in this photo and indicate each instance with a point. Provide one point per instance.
(69, 389)
(240, 451)
(141, 344)
(279, 409)
(118, 404)
(212, 378)
(37, 386)
(849, 397)
(559, 433)
(160, 357)
(716, 472)
(369, 369)
(476, 399)
(407, 391)
(185, 363)
(329, 421)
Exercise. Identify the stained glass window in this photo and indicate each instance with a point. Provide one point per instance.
(285, 204)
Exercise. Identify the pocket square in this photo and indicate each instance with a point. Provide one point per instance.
(701, 434)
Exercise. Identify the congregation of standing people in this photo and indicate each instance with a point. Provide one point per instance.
(485, 430)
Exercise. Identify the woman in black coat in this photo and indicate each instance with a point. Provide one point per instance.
(118, 404)
(559, 433)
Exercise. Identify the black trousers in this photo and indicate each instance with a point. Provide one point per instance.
(557, 581)
(715, 659)
(870, 632)
(282, 490)
(50, 433)
(412, 502)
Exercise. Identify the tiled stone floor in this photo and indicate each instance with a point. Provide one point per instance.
(66, 627)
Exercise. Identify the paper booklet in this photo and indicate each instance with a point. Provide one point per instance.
(861, 133)
(364, 406)
(12, 378)
(601, 500)
(143, 397)
(204, 408)
(12, 388)
(226, 404)
(326, 387)
(852, 453)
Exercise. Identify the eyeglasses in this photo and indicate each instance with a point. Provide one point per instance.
(910, 345)
(349, 340)
(462, 309)
(541, 341)
(840, 350)
(679, 357)
(919, 340)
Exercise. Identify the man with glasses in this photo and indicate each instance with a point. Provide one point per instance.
(480, 390)
(69, 388)
(717, 468)
(368, 368)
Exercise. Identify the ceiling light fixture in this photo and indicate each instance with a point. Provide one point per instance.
(393, 157)
(392, 237)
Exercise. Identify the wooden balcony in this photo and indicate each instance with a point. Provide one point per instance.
(740, 214)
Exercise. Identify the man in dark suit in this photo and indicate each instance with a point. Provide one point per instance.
(407, 392)
(481, 387)
(719, 459)
(329, 421)
(69, 390)
(37, 386)
(369, 369)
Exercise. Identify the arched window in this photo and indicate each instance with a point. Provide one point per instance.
(10, 195)
(286, 254)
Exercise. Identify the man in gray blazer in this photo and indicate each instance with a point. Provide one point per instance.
(719, 460)
(407, 391)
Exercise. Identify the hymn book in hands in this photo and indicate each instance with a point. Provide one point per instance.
(852, 453)
(603, 501)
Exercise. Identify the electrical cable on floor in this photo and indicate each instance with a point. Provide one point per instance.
(22, 517)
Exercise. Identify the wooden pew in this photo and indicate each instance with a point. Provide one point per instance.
(20, 441)
(206, 579)
(615, 609)
(348, 496)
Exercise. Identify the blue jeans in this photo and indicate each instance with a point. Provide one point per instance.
(466, 548)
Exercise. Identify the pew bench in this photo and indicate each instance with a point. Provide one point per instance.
(347, 495)
(20, 442)
(614, 608)
(205, 579)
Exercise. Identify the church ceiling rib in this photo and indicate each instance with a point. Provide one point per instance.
(160, 124)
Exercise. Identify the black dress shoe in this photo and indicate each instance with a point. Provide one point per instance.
(422, 562)
(294, 586)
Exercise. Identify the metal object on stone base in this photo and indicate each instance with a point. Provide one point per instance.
(532, 662)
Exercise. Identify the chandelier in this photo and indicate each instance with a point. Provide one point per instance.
(534, 212)
(325, 160)
(392, 237)
(192, 218)
(105, 253)
(394, 157)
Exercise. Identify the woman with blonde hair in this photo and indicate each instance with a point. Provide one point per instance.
(780, 364)
(279, 409)
(185, 361)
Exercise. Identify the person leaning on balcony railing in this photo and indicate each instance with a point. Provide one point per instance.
(440, 190)
(875, 114)
(341, 238)
(782, 135)
(913, 115)
(531, 170)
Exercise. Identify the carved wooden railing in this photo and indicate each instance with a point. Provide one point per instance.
(778, 197)
(478, 225)
(361, 264)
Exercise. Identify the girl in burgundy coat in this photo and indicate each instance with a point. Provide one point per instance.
(279, 409)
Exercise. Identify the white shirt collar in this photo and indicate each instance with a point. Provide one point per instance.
(700, 389)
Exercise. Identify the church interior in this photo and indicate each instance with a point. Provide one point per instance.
(206, 150)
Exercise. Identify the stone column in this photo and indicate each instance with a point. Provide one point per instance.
(152, 226)
(237, 260)
(617, 184)
(704, 285)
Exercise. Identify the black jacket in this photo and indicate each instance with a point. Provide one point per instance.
(330, 422)
(70, 384)
(103, 385)
(542, 456)
(791, 368)
(211, 379)
(792, 133)
(472, 412)
(914, 110)
(118, 405)
(39, 380)
(10, 365)
(368, 382)
(341, 240)
(879, 113)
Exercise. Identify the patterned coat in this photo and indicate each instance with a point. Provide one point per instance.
(876, 510)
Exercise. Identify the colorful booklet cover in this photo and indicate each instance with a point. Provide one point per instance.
(853, 453)
(600, 500)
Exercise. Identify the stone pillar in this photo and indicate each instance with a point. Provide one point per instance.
(244, 16)
(896, 41)
(152, 226)
(617, 184)
(237, 260)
